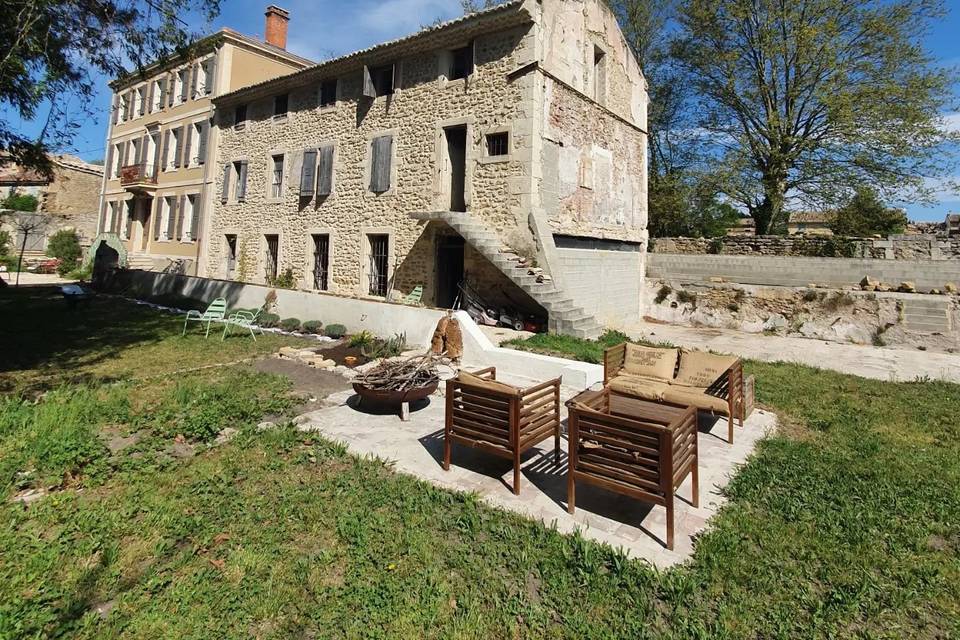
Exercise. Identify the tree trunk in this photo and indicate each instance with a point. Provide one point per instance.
(769, 215)
(23, 247)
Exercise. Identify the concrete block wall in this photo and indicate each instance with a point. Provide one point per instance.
(799, 272)
(606, 283)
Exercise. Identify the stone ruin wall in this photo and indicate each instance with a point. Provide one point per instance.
(906, 247)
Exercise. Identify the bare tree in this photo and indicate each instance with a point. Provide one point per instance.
(26, 224)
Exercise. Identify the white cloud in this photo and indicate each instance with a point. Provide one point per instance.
(952, 121)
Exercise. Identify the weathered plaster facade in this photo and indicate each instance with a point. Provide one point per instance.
(567, 128)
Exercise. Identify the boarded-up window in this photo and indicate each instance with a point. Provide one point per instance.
(380, 159)
(325, 171)
(308, 172)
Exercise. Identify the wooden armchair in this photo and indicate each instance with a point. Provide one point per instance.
(499, 418)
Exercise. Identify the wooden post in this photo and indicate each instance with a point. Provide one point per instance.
(573, 439)
(556, 433)
(515, 441)
(451, 385)
(666, 480)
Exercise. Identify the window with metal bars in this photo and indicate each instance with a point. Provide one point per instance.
(321, 261)
(379, 263)
(498, 144)
(276, 186)
(273, 253)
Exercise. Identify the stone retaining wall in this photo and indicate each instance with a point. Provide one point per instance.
(913, 247)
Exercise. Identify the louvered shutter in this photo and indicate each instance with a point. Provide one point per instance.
(143, 102)
(202, 142)
(369, 89)
(166, 148)
(108, 162)
(380, 167)
(172, 219)
(102, 220)
(184, 85)
(325, 171)
(211, 74)
(194, 76)
(124, 150)
(149, 100)
(162, 84)
(242, 182)
(195, 219)
(129, 221)
(171, 88)
(182, 212)
(115, 115)
(158, 214)
(308, 172)
(187, 139)
(156, 158)
(138, 152)
(178, 148)
(225, 194)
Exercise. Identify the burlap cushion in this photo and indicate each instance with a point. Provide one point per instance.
(700, 369)
(650, 362)
(485, 383)
(638, 387)
(695, 397)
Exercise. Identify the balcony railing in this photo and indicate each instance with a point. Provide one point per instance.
(142, 174)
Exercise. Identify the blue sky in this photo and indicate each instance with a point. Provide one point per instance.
(324, 28)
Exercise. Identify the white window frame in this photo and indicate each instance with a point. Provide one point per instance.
(272, 185)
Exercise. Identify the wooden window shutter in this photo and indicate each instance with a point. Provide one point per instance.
(325, 172)
(172, 219)
(211, 75)
(380, 165)
(194, 76)
(242, 182)
(143, 102)
(162, 83)
(156, 157)
(182, 212)
(187, 139)
(166, 148)
(195, 219)
(171, 88)
(123, 153)
(102, 219)
(108, 162)
(138, 159)
(115, 218)
(369, 89)
(156, 220)
(149, 101)
(178, 148)
(225, 194)
(185, 85)
(116, 109)
(472, 61)
(308, 172)
(202, 142)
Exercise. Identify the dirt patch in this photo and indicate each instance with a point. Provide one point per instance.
(314, 385)
(338, 352)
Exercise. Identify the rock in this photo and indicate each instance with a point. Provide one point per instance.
(907, 287)
(935, 292)
(717, 279)
(322, 363)
(266, 425)
(883, 287)
(775, 322)
(225, 436)
(849, 332)
(950, 287)
(810, 330)
(306, 353)
(29, 495)
(289, 353)
(869, 282)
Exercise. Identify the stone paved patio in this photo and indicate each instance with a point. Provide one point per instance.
(416, 448)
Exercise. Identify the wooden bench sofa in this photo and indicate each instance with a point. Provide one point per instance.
(678, 377)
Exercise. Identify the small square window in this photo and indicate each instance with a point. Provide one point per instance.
(383, 80)
(498, 144)
(328, 93)
(280, 105)
(461, 63)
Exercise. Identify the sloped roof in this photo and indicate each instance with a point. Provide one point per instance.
(505, 14)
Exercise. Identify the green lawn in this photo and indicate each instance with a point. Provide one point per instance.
(847, 524)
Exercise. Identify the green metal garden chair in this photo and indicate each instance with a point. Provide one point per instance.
(214, 313)
(242, 320)
(414, 296)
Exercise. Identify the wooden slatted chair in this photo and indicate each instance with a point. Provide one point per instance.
(633, 447)
(499, 418)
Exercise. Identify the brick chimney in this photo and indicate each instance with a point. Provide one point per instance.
(275, 32)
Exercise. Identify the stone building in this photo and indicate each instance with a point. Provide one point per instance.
(68, 198)
(160, 145)
(515, 135)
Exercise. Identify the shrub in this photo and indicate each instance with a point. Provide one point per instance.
(810, 295)
(362, 339)
(389, 348)
(312, 326)
(715, 246)
(662, 294)
(335, 331)
(65, 245)
(290, 324)
(83, 272)
(4, 242)
(841, 299)
(687, 297)
(733, 306)
(268, 320)
(283, 280)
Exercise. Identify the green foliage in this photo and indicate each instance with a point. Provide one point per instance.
(663, 293)
(680, 206)
(362, 339)
(268, 320)
(65, 245)
(283, 280)
(19, 201)
(686, 297)
(837, 301)
(565, 346)
(715, 246)
(312, 326)
(290, 324)
(5, 242)
(335, 331)
(826, 247)
(866, 215)
(82, 273)
(389, 348)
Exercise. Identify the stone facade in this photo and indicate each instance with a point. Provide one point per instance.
(901, 247)
(547, 152)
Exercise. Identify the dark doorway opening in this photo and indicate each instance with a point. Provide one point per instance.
(449, 269)
(457, 157)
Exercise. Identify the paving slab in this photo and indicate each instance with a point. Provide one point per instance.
(416, 448)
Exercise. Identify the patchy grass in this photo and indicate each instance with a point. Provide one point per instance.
(845, 525)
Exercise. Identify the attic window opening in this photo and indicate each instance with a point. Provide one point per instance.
(461, 63)
(328, 93)
(382, 78)
(280, 105)
(240, 115)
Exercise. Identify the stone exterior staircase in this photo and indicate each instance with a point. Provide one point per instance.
(926, 314)
(565, 317)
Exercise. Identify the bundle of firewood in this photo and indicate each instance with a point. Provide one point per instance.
(401, 375)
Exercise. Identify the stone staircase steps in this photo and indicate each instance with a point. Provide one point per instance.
(926, 315)
(564, 315)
